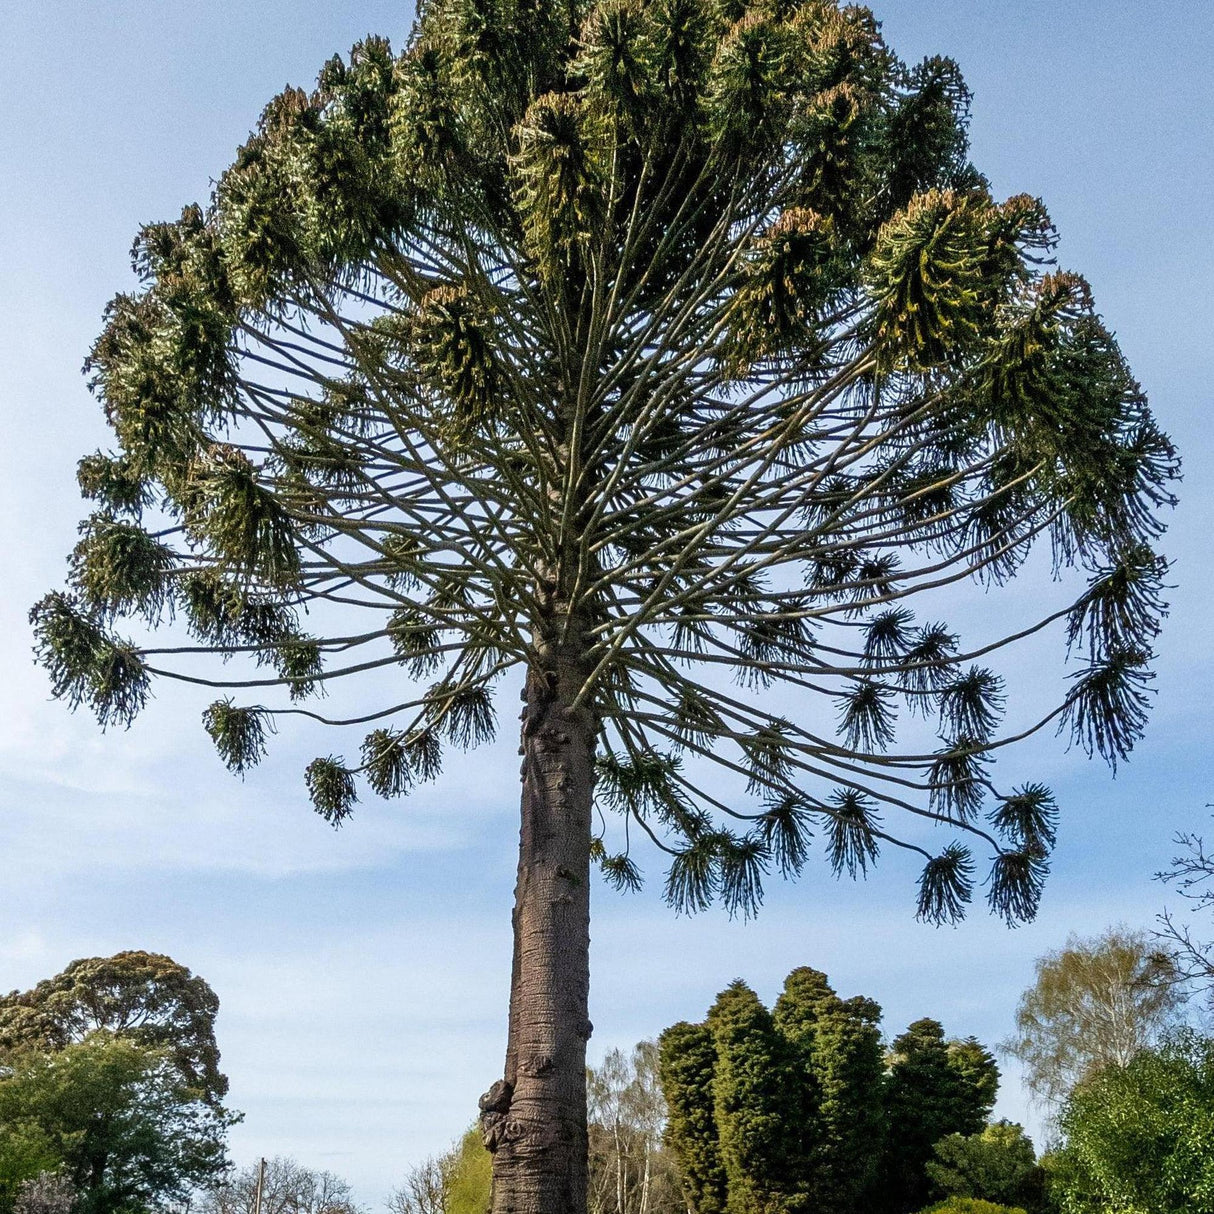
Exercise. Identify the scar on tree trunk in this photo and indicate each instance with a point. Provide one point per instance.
(534, 1119)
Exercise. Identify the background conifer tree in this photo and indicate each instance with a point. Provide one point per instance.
(934, 1088)
(755, 1103)
(803, 1110)
(841, 1054)
(686, 1063)
(673, 357)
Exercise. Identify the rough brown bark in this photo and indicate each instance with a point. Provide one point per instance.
(534, 1119)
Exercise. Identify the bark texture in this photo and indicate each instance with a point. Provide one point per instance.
(534, 1119)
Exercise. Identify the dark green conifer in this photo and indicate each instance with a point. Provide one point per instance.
(755, 1104)
(686, 1067)
(842, 1127)
(935, 1088)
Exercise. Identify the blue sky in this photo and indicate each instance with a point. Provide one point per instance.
(363, 974)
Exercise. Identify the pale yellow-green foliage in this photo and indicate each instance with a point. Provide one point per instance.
(468, 1186)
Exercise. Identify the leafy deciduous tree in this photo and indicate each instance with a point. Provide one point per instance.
(1096, 1001)
(636, 347)
(146, 997)
(998, 1165)
(1141, 1136)
(118, 1121)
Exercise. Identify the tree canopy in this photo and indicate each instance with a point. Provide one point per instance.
(146, 997)
(999, 1164)
(692, 318)
(935, 1088)
(800, 1108)
(1141, 1136)
(1095, 1002)
(114, 1118)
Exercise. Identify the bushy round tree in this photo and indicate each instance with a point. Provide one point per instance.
(673, 357)
(144, 997)
(1141, 1136)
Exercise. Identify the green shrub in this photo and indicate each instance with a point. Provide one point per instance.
(970, 1205)
(998, 1165)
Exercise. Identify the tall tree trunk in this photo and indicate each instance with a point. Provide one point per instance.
(534, 1119)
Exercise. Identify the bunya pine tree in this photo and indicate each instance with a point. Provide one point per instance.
(672, 358)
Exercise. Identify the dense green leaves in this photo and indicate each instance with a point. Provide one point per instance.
(115, 1117)
(687, 1061)
(996, 1165)
(1141, 1137)
(802, 1109)
(841, 1128)
(754, 1102)
(935, 1088)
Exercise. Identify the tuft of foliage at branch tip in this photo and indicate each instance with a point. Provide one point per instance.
(331, 786)
(946, 886)
(86, 664)
(239, 733)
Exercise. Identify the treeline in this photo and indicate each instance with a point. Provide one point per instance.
(112, 1102)
(802, 1108)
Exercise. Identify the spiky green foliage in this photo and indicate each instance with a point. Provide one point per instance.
(687, 322)
(239, 733)
(331, 787)
(88, 665)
